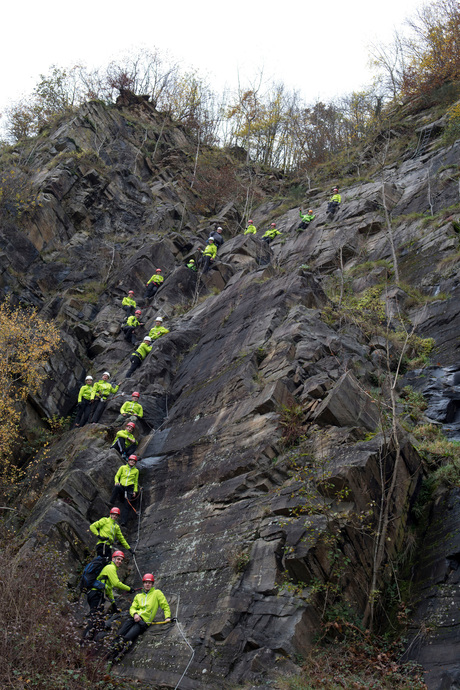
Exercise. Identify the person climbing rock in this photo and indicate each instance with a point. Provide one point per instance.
(84, 402)
(142, 613)
(139, 355)
(130, 411)
(158, 329)
(270, 234)
(108, 531)
(125, 442)
(154, 284)
(251, 229)
(306, 219)
(130, 326)
(99, 394)
(192, 265)
(104, 585)
(126, 488)
(217, 236)
(335, 202)
(128, 303)
(208, 255)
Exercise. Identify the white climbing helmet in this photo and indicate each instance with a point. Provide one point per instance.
(148, 338)
(159, 318)
(106, 373)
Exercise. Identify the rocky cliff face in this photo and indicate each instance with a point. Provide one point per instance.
(235, 522)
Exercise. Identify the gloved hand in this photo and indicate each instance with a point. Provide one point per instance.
(113, 608)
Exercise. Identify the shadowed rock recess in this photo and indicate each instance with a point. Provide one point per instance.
(235, 523)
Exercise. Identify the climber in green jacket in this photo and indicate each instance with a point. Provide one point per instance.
(306, 219)
(334, 202)
(142, 613)
(128, 303)
(270, 234)
(99, 394)
(131, 410)
(125, 442)
(139, 355)
(158, 330)
(251, 229)
(208, 255)
(192, 265)
(154, 284)
(126, 487)
(130, 326)
(108, 531)
(109, 579)
(84, 402)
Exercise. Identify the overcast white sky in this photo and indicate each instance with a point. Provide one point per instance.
(319, 48)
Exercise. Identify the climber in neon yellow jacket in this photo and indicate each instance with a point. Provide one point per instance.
(101, 391)
(108, 530)
(158, 330)
(271, 233)
(334, 202)
(128, 303)
(139, 355)
(84, 402)
(154, 283)
(208, 255)
(251, 229)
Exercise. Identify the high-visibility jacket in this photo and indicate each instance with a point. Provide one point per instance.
(143, 350)
(210, 250)
(85, 393)
(337, 198)
(128, 302)
(124, 433)
(131, 407)
(108, 531)
(192, 265)
(306, 217)
(250, 230)
(156, 279)
(109, 576)
(146, 605)
(157, 331)
(102, 390)
(271, 232)
(132, 321)
(127, 476)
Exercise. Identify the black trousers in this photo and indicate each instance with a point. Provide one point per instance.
(303, 225)
(130, 630)
(121, 493)
(95, 601)
(206, 262)
(121, 446)
(104, 550)
(332, 207)
(128, 309)
(136, 362)
(150, 290)
(98, 409)
(83, 412)
(129, 333)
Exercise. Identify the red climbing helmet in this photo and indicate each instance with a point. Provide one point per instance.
(273, 225)
(158, 270)
(250, 222)
(148, 577)
(130, 425)
(130, 292)
(118, 554)
(138, 312)
(133, 457)
(135, 393)
(115, 511)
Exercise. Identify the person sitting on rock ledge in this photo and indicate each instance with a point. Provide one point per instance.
(158, 329)
(139, 355)
(84, 402)
(128, 303)
(142, 613)
(192, 265)
(251, 229)
(270, 234)
(125, 442)
(126, 487)
(130, 326)
(335, 202)
(154, 284)
(306, 219)
(108, 532)
(100, 393)
(208, 255)
(130, 411)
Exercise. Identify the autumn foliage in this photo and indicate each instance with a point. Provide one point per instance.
(26, 343)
